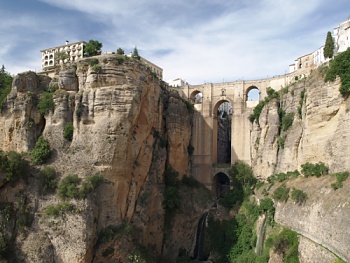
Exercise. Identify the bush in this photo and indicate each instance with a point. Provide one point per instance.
(281, 193)
(13, 165)
(90, 184)
(120, 59)
(68, 131)
(47, 180)
(93, 62)
(318, 169)
(46, 103)
(59, 209)
(41, 152)
(340, 66)
(68, 187)
(287, 121)
(298, 196)
(341, 177)
(286, 244)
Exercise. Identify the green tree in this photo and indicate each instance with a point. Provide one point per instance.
(120, 51)
(61, 56)
(135, 54)
(329, 46)
(41, 151)
(5, 84)
(92, 48)
(46, 103)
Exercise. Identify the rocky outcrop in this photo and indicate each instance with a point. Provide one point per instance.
(323, 218)
(126, 127)
(319, 133)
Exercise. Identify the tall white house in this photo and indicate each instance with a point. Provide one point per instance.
(49, 57)
(341, 35)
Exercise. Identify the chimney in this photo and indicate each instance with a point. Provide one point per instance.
(67, 42)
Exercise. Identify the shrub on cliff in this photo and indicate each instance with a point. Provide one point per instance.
(46, 103)
(287, 121)
(12, 165)
(68, 187)
(68, 131)
(318, 169)
(341, 177)
(340, 66)
(298, 196)
(286, 244)
(281, 193)
(41, 152)
(47, 180)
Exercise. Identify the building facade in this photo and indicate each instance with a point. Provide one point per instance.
(51, 57)
(341, 36)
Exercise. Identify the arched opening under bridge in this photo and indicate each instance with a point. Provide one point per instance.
(222, 125)
(220, 184)
(196, 97)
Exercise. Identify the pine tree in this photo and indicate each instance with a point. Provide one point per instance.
(329, 46)
(135, 54)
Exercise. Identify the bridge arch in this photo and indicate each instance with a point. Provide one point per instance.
(196, 96)
(222, 125)
(220, 184)
(252, 93)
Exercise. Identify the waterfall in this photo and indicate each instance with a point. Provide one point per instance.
(198, 249)
(261, 236)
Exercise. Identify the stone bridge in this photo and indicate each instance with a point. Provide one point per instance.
(207, 99)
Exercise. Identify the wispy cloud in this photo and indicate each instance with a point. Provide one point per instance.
(199, 40)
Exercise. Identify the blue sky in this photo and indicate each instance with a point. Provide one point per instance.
(197, 40)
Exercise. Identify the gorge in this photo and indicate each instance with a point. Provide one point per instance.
(131, 194)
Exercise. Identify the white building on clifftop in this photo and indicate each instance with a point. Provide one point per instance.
(73, 52)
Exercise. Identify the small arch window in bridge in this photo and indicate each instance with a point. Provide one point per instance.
(196, 97)
(253, 94)
(221, 184)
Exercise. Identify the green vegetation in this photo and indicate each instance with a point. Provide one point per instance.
(110, 232)
(171, 195)
(318, 169)
(271, 94)
(5, 85)
(301, 102)
(61, 56)
(68, 187)
(92, 48)
(341, 177)
(13, 166)
(46, 103)
(280, 141)
(280, 177)
(47, 180)
(120, 59)
(68, 131)
(286, 244)
(281, 193)
(298, 196)
(340, 66)
(243, 182)
(24, 217)
(329, 46)
(287, 121)
(90, 184)
(41, 152)
(59, 209)
(135, 54)
(93, 62)
(120, 51)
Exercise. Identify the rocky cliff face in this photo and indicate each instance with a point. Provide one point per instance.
(127, 128)
(319, 134)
